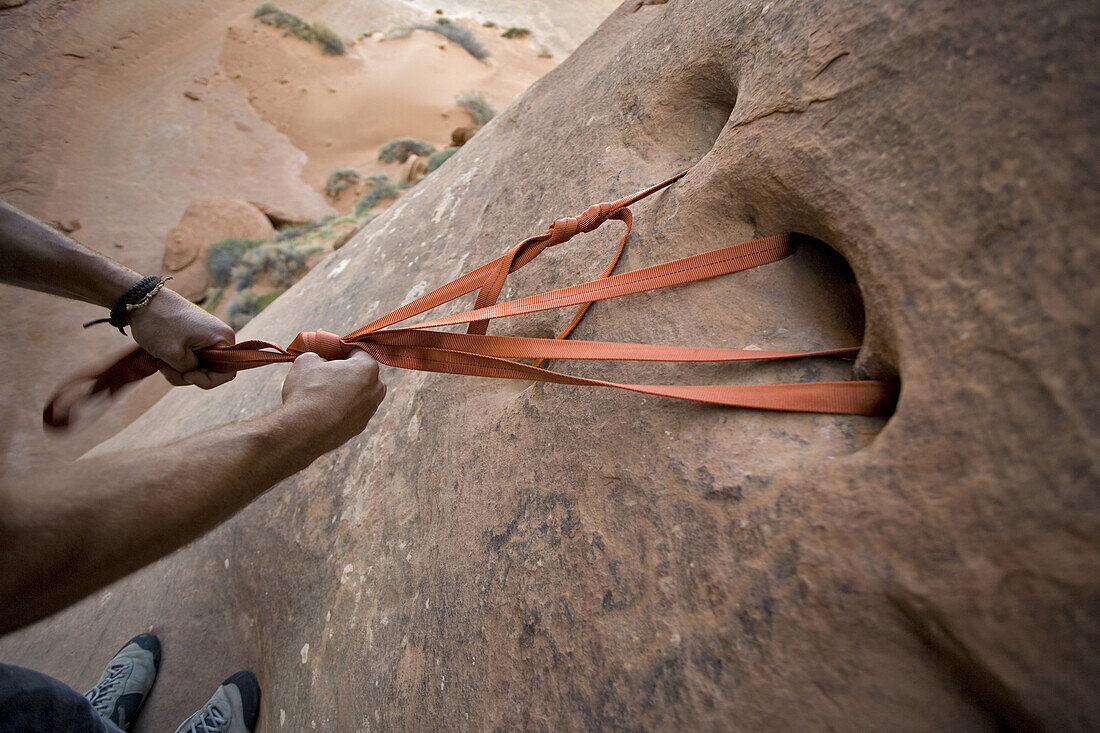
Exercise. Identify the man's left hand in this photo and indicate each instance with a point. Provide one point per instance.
(171, 328)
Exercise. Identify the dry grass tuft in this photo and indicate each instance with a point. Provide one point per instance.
(480, 109)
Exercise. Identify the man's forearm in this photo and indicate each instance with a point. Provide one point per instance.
(64, 535)
(36, 256)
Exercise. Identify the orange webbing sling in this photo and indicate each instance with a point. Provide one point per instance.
(479, 355)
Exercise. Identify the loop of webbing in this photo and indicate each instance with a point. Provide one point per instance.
(476, 354)
(326, 345)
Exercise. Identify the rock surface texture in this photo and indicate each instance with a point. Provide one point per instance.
(493, 555)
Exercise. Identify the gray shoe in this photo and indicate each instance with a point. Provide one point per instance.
(127, 680)
(234, 708)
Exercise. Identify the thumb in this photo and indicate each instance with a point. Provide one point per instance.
(183, 360)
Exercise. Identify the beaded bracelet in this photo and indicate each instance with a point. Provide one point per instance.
(138, 296)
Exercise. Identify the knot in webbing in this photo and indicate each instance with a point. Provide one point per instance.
(562, 230)
(327, 345)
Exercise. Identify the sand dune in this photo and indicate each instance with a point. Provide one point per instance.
(340, 109)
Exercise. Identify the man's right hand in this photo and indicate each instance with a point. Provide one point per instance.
(332, 400)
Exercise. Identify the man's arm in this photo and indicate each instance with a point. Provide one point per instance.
(64, 535)
(36, 256)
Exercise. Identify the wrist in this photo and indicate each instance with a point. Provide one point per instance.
(137, 296)
(296, 433)
(102, 281)
(111, 284)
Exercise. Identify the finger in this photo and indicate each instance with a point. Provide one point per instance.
(363, 359)
(221, 335)
(207, 380)
(226, 336)
(182, 361)
(174, 378)
(306, 362)
(359, 355)
(220, 378)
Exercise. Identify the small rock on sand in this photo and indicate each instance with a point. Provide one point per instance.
(208, 220)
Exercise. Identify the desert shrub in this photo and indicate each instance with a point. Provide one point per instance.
(213, 299)
(300, 230)
(480, 109)
(440, 158)
(223, 256)
(401, 31)
(383, 188)
(339, 180)
(241, 309)
(488, 24)
(244, 275)
(247, 305)
(292, 25)
(457, 34)
(267, 299)
(330, 42)
(283, 262)
(399, 150)
(516, 32)
(544, 52)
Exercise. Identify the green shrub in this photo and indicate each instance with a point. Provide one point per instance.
(281, 261)
(213, 299)
(399, 150)
(456, 33)
(267, 299)
(241, 309)
(299, 230)
(339, 180)
(223, 256)
(383, 188)
(330, 43)
(440, 158)
(544, 52)
(401, 31)
(516, 32)
(292, 25)
(480, 109)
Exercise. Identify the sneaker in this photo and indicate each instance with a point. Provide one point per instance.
(126, 682)
(233, 708)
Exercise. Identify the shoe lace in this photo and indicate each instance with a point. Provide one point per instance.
(211, 719)
(100, 695)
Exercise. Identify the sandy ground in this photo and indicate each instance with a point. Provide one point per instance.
(119, 114)
(340, 109)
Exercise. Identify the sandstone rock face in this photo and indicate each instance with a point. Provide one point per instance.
(280, 216)
(206, 221)
(507, 556)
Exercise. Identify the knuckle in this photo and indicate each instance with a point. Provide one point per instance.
(183, 358)
(307, 360)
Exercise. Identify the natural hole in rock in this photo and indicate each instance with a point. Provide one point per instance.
(835, 297)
